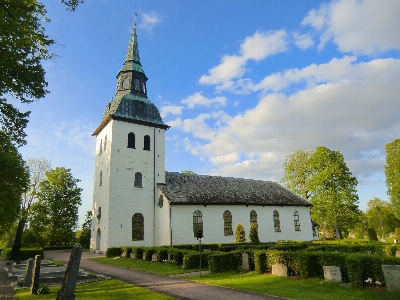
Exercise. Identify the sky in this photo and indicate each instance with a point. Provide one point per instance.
(241, 83)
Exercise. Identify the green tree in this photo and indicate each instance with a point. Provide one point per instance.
(13, 182)
(83, 235)
(392, 172)
(332, 191)
(188, 172)
(54, 216)
(240, 235)
(23, 47)
(381, 217)
(371, 233)
(253, 234)
(296, 174)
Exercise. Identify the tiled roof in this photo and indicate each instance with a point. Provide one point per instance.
(182, 188)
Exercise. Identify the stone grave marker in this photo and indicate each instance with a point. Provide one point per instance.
(392, 276)
(28, 272)
(132, 255)
(279, 269)
(154, 257)
(332, 273)
(36, 275)
(245, 262)
(170, 257)
(397, 253)
(67, 291)
(144, 255)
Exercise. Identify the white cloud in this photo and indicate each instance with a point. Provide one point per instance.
(197, 99)
(170, 109)
(359, 27)
(303, 41)
(149, 20)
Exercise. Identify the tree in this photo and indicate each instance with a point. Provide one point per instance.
(188, 172)
(332, 190)
(23, 47)
(253, 234)
(372, 237)
(83, 235)
(381, 217)
(13, 182)
(296, 174)
(240, 235)
(392, 172)
(55, 215)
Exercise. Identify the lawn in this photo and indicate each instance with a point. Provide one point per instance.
(104, 290)
(142, 265)
(299, 289)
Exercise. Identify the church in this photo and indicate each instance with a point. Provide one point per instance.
(137, 203)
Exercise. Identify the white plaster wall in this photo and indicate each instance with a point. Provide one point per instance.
(213, 223)
(163, 222)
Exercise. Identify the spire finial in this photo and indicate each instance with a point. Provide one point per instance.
(134, 19)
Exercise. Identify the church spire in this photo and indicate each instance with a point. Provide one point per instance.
(133, 48)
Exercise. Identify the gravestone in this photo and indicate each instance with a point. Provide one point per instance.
(144, 255)
(332, 273)
(67, 291)
(28, 272)
(10, 267)
(154, 257)
(392, 275)
(132, 255)
(36, 275)
(279, 269)
(397, 253)
(170, 257)
(245, 262)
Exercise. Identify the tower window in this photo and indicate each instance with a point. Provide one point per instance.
(137, 227)
(105, 143)
(277, 223)
(296, 220)
(197, 222)
(136, 83)
(228, 223)
(131, 140)
(101, 147)
(101, 178)
(146, 144)
(138, 179)
(125, 83)
(253, 218)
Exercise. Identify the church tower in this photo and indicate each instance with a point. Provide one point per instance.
(129, 163)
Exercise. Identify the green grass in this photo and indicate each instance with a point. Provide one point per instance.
(292, 288)
(152, 267)
(56, 262)
(104, 290)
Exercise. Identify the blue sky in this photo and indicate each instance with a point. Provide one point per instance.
(241, 83)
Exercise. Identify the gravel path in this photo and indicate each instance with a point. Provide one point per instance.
(167, 285)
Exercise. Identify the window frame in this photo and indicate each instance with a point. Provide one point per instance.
(277, 222)
(131, 141)
(138, 180)
(227, 216)
(296, 220)
(197, 222)
(137, 227)
(146, 143)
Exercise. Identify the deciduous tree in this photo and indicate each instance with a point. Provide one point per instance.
(392, 172)
(381, 217)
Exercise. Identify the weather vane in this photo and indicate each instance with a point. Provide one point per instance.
(134, 18)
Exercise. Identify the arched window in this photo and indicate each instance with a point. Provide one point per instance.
(137, 227)
(277, 223)
(296, 220)
(125, 83)
(101, 178)
(146, 144)
(197, 222)
(136, 84)
(138, 179)
(105, 143)
(101, 147)
(228, 223)
(253, 218)
(131, 140)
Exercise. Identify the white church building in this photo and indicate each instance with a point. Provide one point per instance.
(137, 203)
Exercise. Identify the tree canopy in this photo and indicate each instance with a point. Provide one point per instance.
(13, 182)
(392, 172)
(381, 217)
(54, 216)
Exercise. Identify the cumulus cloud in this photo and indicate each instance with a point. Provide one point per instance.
(359, 27)
(303, 41)
(170, 109)
(197, 99)
(149, 20)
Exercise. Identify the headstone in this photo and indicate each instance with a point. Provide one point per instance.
(28, 272)
(10, 267)
(67, 291)
(397, 253)
(392, 275)
(123, 254)
(132, 255)
(154, 257)
(332, 273)
(245, 262)
(170, 257)
(279, 269)
(36, 275)
(144, 255)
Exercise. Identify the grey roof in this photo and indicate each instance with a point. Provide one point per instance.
(182, 188)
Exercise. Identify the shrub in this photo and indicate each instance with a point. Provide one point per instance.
(113, 252)
(240, 235)
(253, 234)
(25, 253)
(126, 250)
(390, 250)
(162, 254)
(148, 253)
(220, 262)
(308, 264)
(191, 260)
(288, 258)
(178, 255)
(260, 261)
(397, 234)
(372, 237)
(138, 251)
(43, 290)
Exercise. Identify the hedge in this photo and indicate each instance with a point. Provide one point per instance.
(260, 261)
(138, 251)
(126, 251)
(288, 258)
(25, 253)
(113, 252)
(191, 260)
(220, 262)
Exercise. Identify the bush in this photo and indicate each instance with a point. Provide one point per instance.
(148, 253)
(113, 252)
(43, 290)
(253, 234)
(397, 234)
(372, 237)
(191, 260)
(308, 266)
(390, 250)
(162, 254)
(260, 261)
(178, 255)
(25, 253)
(138, 252)
(220, 262)
(240, 235)
(126, 251)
